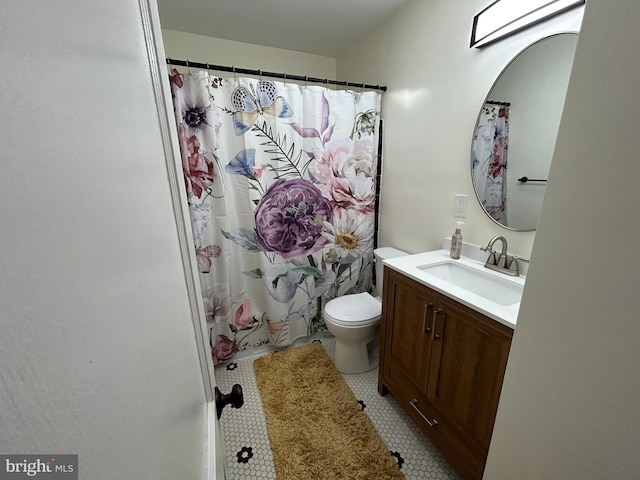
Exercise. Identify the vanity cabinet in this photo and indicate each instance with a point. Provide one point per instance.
(444, 363)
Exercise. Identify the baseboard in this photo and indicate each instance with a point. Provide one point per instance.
(216, 468)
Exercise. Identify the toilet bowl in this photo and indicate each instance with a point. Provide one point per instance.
(354, 321)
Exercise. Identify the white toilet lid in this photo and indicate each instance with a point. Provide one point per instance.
(354, 310)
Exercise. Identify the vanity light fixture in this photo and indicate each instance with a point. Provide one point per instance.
(506, 17)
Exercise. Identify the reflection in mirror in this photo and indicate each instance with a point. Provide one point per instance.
(516, 132)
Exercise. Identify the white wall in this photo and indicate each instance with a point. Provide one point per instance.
(97, 348)
(437, 85)
(199, 48)
(570, 402)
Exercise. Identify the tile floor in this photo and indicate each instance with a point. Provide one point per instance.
(247, 442)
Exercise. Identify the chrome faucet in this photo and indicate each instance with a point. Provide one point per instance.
(504, 263)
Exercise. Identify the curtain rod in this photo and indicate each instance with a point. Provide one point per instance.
(491, 102)
(285, 76)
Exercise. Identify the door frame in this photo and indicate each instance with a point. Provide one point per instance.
(150, 21)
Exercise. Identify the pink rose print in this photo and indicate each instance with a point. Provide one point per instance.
(244, 318)
(497, 164)
(198, 170)
(345, 169)
(175, 78)
(224, 349)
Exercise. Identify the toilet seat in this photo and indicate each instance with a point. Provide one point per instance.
(354, 310)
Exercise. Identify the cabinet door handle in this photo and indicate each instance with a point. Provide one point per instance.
(427, 306)
(435, 318)
(431, 423)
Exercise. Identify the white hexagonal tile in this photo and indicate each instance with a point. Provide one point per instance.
(246, 427)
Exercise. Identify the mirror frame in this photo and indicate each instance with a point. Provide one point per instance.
(473, 135)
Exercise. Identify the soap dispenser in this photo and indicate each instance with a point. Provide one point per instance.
(456, 242)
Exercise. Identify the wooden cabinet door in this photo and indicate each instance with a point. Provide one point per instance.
(468, 361)
(407, 316)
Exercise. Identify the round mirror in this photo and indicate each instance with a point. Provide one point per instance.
(516, 131)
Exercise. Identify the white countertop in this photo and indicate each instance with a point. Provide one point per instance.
(409, 266)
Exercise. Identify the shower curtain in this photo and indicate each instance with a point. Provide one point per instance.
(490, 146)
(280, 181)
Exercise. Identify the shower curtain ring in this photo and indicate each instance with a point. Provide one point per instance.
(188, 66)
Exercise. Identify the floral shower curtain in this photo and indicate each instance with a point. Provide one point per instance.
(490, 146)
(280, 181)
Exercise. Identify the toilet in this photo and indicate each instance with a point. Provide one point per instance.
(354, 320)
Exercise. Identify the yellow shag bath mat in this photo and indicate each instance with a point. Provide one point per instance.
(316, 426)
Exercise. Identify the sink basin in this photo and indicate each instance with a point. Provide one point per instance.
(485, 284)
(466, 281)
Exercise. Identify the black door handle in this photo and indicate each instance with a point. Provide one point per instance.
(235, 398)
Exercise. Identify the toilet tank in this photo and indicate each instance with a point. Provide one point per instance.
(384, 253)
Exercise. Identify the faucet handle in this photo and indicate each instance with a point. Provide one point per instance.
(513, 265)
(492, 260)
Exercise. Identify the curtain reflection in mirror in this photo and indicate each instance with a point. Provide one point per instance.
(490, 146)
